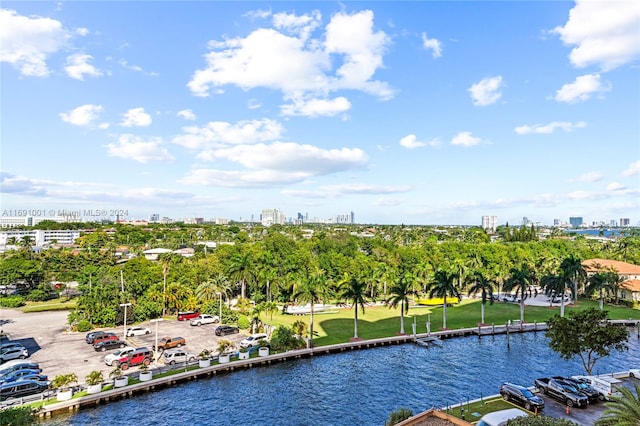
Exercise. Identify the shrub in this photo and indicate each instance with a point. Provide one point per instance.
(243, 322)
(224, 345)
(284, 339)
(64, 381)
(401, 414)
(24, 416)
(540, 421)
(37, 295)
(94, 378)
(84, 326)
(11, 301)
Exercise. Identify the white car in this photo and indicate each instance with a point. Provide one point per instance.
(205, 319)
(137, 331)
(118, 354)
(634, 373)
(252, 340)
(175, 356)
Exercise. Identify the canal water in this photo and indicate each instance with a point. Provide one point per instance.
(352, 388)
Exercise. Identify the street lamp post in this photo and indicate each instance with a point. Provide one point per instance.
(125, 306)
(155, 348)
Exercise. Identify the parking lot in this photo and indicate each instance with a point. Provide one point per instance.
(60, 351)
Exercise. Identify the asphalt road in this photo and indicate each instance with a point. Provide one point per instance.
(60, 351)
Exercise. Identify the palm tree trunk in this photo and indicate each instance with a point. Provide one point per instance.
(482, 313)
(601, 299)
(444, 313)
(310, 342)
(562, 305)
(242, 288)
(355, 323)
(402, 317)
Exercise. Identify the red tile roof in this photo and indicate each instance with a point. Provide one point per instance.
(623, 268)
(631, 285)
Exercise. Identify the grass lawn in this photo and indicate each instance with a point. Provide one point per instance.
(474, 411)
(49, 305)
(381, 321)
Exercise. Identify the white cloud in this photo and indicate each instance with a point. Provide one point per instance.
(603, 33)
(633, 169)
(126, 65)
(615, 186)
(77, 66)
(432, 44)
(28, 41)
(187, 114)
(135, 148)
(298, 66)
(486, 91)
(333, 191)
(305, 159)
(581, 89)
(82, 31)
(83, 115)
(253, 104)
(316, 107)
(241, 178)
(411, 142)
(591, 177)
(299, 25)
(465, 139)
(549, 128)
(217, 134)
(136, 117)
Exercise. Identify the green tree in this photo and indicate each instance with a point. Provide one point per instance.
(484, 286)
(399, 293)
(311, 289)
(443, 284)
(573, 272)
(399, 415)
(354, 290)
(19, 416)
(240, 270)
(602, 283)
(520, 279)
(623, 410)
(587, 335)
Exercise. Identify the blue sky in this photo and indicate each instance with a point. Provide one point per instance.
(402, 112)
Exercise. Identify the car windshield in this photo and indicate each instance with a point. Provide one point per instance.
(527, 393)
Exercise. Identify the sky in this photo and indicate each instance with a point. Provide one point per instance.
(417, 112)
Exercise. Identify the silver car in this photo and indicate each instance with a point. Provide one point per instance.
(14, 352)
(118, 354)
(175, 356)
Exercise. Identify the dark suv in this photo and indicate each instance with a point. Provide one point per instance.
(138, 357)
(522, 396)
(107, 345)
(104, 337)
(92, 335)
(581, 386)
(21, 388)
(223, 330)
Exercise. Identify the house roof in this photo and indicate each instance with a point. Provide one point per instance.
(631, 285)
(623, 268)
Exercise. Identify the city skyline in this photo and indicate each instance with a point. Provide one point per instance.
(407, 113)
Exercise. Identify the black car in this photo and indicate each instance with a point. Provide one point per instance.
(522, 396)
(582, 386)
(107, 345)
(223, 330)
(91, 336)
(21, 388)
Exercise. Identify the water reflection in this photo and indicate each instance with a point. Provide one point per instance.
(354, 388)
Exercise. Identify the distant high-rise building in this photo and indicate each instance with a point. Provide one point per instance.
(272, 217)
(353, 217)
(155, 217)
(557, 222)
(490, 223)
(625, 221)
(575, 221)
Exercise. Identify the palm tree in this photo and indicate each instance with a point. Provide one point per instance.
(443, 284)
(602, 282)
(355, 291)
(240, 270)
(622, 410)
(311, 289)
(213, 288)
(574, 272)
(484, 286)
(166, 259)
(520, 279)
(399, 293)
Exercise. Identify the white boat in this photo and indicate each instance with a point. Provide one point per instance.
(318, 308)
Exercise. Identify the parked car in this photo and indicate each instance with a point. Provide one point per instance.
(606, 386)
(22, 388)
(500, 418)
(10, 344)
(107, 345)
(170, 342)
(522, 396)
(137, 331)
(21, 366)
(562, 391)
(120, 353)
(138, 357)
(187, 315)
(92, 335)
(175, 356)
(205, 319)
(104, 337)
(634, 373)
(16, 352)
(252, 340)
(582, 386)
(23, 375)
(223, 330)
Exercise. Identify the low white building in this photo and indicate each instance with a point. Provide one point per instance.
(39, 237)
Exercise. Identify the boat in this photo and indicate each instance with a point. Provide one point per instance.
(318, 308)
(437, 301)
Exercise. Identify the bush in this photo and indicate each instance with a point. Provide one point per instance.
(11, 301)
(401, 414)
(37, 295)
(283, 339)
(243, 322)
(84, 326)
(539, 421)
(20, 416)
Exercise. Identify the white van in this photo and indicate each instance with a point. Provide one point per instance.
(500, 418)
(606, 386)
